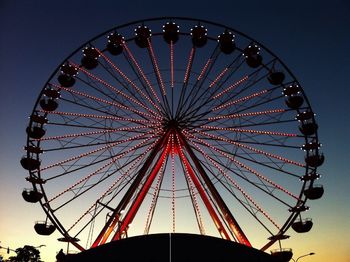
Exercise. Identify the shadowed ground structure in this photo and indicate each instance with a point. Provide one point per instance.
(171, 247)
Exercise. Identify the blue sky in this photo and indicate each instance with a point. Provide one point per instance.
(312, 39)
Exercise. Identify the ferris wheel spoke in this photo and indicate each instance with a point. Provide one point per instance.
(92, 116)
(172, 79)
(250, 131)
(204, 69)
(207, 95)
(156, 68)
(116, 104)
(94, 121)
(219, 77)
(253, 211)
(267, 189)
(143, 99)
(194, 201)
(105, 131)
(135, 205)
(75, 145)
(241, 145)
(146, 82)
(96, 172)
(86, 105)
(69, 120)
(185, 81)
(200, 80)
(155, 197)
(173, 187)
(131, 83)
(243, 99)
(267, 123)
(271, 163)
(192, 178)
(232, 68)
(231, 87)
(116, 186)
(112, 96)
(277, 139)
(159, 77)
(242, 165)
(117, 91)
(233, 225)
(264, 189)
(236, 185)
(80, 126)
(236, 115)
(141, 72)
(134, 138)
(83, 190)
(114, 218)
(239, 107)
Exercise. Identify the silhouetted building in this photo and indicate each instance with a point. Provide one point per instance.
(171, 247)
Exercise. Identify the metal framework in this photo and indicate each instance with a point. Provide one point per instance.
(195, 121)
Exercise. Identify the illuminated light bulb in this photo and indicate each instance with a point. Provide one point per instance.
(244, 166)
(243, 99)
(189, 64)
(155, 63)
(114, 89)
(143, 75)
(204, 69)
(218, 77)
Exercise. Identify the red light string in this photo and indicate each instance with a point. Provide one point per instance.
(189, 65)
(142, 193)
(251, 148)
(155, 64)
(155, 195)
(100, 117)
(233, 86)
(243, 99)
(111, 103)
(223, 72)
(204, 69)
(171, 63)
(139, 136)
(173, 180)
(113, 130)
(131, 82)
(116, 157)
(193, 193)
(111, 188)
(235, 184)
(240, 164)
(131, 56)
(231, 116)
(115, 89)
(238, 130)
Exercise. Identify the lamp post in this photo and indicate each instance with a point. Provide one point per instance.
(40, 246)
(9, 249)
(309, 254)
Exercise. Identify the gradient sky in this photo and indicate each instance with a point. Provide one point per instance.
(311, 37)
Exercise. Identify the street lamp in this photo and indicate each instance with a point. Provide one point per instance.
(310, 254)
(8, 249)
(40, 246)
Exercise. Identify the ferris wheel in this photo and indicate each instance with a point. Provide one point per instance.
(172, 125)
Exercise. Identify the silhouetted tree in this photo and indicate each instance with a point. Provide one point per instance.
(26, 254)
